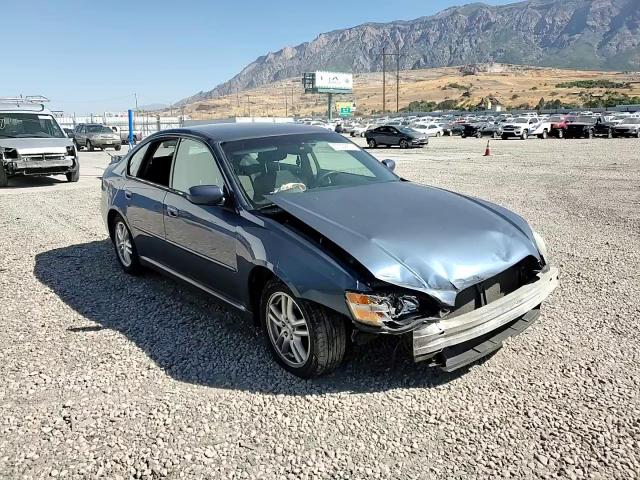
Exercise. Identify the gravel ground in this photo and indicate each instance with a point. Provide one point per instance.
(104, 375)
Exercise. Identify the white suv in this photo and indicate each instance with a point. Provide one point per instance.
(32, 142)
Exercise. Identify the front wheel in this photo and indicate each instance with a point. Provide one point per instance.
(304, 338)
(126, 251)
(525, 135)
(89, 146)
(560, 133)
(4, 178)
(544, 135)
(590, 134)
(73, 176)
(117, 148)
(404, 144)
(372, 143)
(638, 134)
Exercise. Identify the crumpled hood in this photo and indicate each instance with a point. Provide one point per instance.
(418, 237)
(34, 146)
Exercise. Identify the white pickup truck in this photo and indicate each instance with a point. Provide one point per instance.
(525, 127)
(124, 134)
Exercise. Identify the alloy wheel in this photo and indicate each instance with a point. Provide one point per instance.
(123, 244)
(288, 329)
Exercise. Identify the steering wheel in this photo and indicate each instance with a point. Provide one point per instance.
(326, 177)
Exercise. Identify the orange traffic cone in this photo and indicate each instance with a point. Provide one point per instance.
(487, 152)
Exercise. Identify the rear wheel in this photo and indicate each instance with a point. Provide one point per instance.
(438, 134)
(609, 134)
(590, 134)
(126, 251)
(560, 133)
(638, 134)
(372, 143)
(305, 339)
(117, 147)
(544, 134)
(494, 135)
(479, 135)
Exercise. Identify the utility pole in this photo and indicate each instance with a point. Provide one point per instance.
(397, 79)
(384, 80)
(135, 95)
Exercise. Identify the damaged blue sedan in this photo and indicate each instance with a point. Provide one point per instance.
(323, 244)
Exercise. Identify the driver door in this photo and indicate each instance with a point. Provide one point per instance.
(202, 238)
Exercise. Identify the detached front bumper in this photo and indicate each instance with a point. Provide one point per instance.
(506, 312)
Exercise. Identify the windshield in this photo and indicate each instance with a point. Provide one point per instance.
(28, 125)
(293, 164)
(408, 131)
(632, 121)
(98, 129)
(521, 120)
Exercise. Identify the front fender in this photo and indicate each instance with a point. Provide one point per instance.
(310, 272)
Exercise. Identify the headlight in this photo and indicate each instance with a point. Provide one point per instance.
(71, 151)
(375, 310)
(542, 245)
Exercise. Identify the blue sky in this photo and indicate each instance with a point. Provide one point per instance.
(90, 56)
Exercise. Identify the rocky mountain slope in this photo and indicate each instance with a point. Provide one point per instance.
(581, 34)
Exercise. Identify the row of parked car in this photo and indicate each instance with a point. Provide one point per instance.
(505, 126)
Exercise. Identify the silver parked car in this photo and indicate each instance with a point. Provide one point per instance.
(32, 143)
(92, 135)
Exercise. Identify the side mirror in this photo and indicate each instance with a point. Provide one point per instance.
(116, 159)
(206, 195)
(390, 164)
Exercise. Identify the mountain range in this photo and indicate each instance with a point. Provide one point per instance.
(579, 34)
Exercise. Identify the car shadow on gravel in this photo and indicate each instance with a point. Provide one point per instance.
(197, 339)
(31, 182)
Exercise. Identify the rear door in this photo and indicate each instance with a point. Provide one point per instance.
(202, 238)
(148, 178)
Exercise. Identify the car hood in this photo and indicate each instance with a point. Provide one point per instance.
(27, 146)
(628, 125)
(417, 237)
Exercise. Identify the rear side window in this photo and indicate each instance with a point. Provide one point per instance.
(195, 165)
(136, 160)
(155, 166)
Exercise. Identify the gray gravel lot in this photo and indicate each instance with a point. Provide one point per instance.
(109, 376)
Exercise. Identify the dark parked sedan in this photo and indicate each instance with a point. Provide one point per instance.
(323, 245)
(588, 127)
(388, 135)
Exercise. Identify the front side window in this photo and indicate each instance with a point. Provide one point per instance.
(295, 164)
(29, 125)
(195, 165)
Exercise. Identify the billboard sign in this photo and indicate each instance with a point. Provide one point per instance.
(328, 82)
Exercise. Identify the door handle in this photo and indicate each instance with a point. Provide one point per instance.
(127, 194)
(172, 211)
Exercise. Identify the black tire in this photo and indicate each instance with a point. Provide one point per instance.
(89, 146)
(117, 148)
(78, 147)
(134, 268)
(494, 135)
(327, 334)
(73, 176)
(463, 136)
(544, 134)
(560, 133)
(638, 134)
(4, 178)
(372, 143)
(404, 144)
(525, 135)
(504, 137)
(590, 134)
(438, 134)
(479, 135)
(609, 134)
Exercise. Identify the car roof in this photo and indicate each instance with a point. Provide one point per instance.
(228, 132)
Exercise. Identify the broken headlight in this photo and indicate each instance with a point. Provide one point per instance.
(376, 310)
(541, 245)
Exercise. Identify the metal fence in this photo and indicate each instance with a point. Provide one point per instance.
(145, 123)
